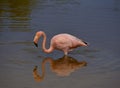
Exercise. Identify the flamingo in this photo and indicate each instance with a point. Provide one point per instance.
(63, 42)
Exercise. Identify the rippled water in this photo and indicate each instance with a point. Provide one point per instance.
(96, 21)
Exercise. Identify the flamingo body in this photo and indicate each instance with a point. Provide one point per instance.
(64, 42)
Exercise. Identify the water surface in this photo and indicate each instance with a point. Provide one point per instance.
(96, 21)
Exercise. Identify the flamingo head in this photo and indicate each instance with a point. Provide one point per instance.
(36, 38)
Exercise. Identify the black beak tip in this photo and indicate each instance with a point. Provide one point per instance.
(36, 44)
(86, 43)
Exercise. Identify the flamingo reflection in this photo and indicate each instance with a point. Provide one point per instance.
(62, 67)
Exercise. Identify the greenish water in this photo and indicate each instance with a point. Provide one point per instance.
(96, 21)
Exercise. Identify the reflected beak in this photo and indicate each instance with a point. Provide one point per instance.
(35, 68)
(36, 44)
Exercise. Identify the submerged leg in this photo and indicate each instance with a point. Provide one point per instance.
(66, 51)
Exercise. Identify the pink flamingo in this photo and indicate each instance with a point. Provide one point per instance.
(64, 42)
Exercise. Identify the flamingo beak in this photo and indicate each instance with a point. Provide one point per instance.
(86, 43)
(36, 44)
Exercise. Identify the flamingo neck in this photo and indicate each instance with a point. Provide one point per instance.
(36, 75)
(44, 44)
(43, 66)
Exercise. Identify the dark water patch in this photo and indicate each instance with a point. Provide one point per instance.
(19, 29)
(104, 64)
(30, 50)
(2, 43)
(87, 52)
(27, 43)
(15, 15)
(19, 62)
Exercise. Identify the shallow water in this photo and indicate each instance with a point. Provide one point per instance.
(96, 21)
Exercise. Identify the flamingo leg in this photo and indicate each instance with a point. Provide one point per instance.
(66, 50)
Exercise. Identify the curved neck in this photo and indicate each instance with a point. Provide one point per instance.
(44, 44)
(36, 75)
